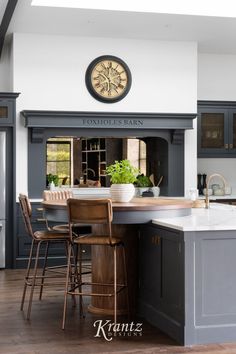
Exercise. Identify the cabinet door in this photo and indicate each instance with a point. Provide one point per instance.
(232, 131)
(161, 270)
(213, 132)
(172, 274)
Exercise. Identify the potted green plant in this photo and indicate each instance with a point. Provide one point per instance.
(122, 176)
(143, 184)
(52, 180)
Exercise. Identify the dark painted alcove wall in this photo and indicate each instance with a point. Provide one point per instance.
(168, 157)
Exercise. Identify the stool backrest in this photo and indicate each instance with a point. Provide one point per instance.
(55, 195)
(26, 213)
(90, 211)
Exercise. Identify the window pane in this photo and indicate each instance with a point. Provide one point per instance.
(3, 112)
(59, 160)
(212, 130)
(58, 152)
(62, 169)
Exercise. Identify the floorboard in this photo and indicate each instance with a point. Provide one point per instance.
(43, 334)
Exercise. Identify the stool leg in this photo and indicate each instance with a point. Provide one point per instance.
(72, 275)
(67, 284)
(126, 282)
(81, 308)
(33, 281)
(27, 274)
(115, 285)
(44, 270)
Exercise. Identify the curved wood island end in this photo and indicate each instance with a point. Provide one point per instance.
(126, 220)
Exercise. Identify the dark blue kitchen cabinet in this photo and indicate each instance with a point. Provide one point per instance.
(216, 129)
(161, 274)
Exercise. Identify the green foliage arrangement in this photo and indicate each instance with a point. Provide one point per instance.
(122, 172)
(53, 178)
(143, 181)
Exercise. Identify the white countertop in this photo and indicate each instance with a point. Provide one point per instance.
(214, 197)
(217, 217)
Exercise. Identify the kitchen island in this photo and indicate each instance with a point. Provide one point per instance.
(187, 275)
(127, 218)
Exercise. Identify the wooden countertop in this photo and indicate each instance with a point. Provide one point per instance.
(136, 204)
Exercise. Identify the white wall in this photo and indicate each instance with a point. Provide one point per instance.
(217, 81)
(49, 72)
(6, 68)
(217, 77)
(224, 166)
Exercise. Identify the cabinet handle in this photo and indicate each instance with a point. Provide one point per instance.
(226, 146)
(156, 240)
(231, 146)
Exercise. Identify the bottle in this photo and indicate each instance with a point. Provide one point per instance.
(199, 184)
(204, 184)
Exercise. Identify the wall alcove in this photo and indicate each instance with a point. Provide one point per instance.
(164, 134)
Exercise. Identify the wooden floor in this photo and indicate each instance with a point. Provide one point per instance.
(43, 335)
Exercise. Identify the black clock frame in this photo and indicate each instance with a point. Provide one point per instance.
(89, 82)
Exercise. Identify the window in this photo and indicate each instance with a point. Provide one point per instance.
(136, 154)
(3, 112)
(59, 159)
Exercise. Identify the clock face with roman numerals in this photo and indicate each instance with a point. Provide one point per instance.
(108, 79)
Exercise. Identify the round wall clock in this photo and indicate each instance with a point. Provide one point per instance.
(108, 79)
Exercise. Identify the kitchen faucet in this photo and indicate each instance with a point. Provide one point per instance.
(207, 187)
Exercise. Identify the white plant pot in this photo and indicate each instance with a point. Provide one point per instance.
(52, 186)
(122, 193)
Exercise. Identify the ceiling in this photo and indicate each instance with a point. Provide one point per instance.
(3, 4)
(213, 34)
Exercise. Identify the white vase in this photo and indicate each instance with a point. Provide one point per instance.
(122, 193)
(52, 186)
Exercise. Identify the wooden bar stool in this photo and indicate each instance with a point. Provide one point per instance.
(64, 194)
(94, 212)
(57, 195)
(32, 279)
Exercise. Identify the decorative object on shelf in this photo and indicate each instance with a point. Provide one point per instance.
(108, 79)
(204, 183)
(219, 192)
(210, 191)
(159, 181)
(122, 175)
(155, 190)
(199, 184)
